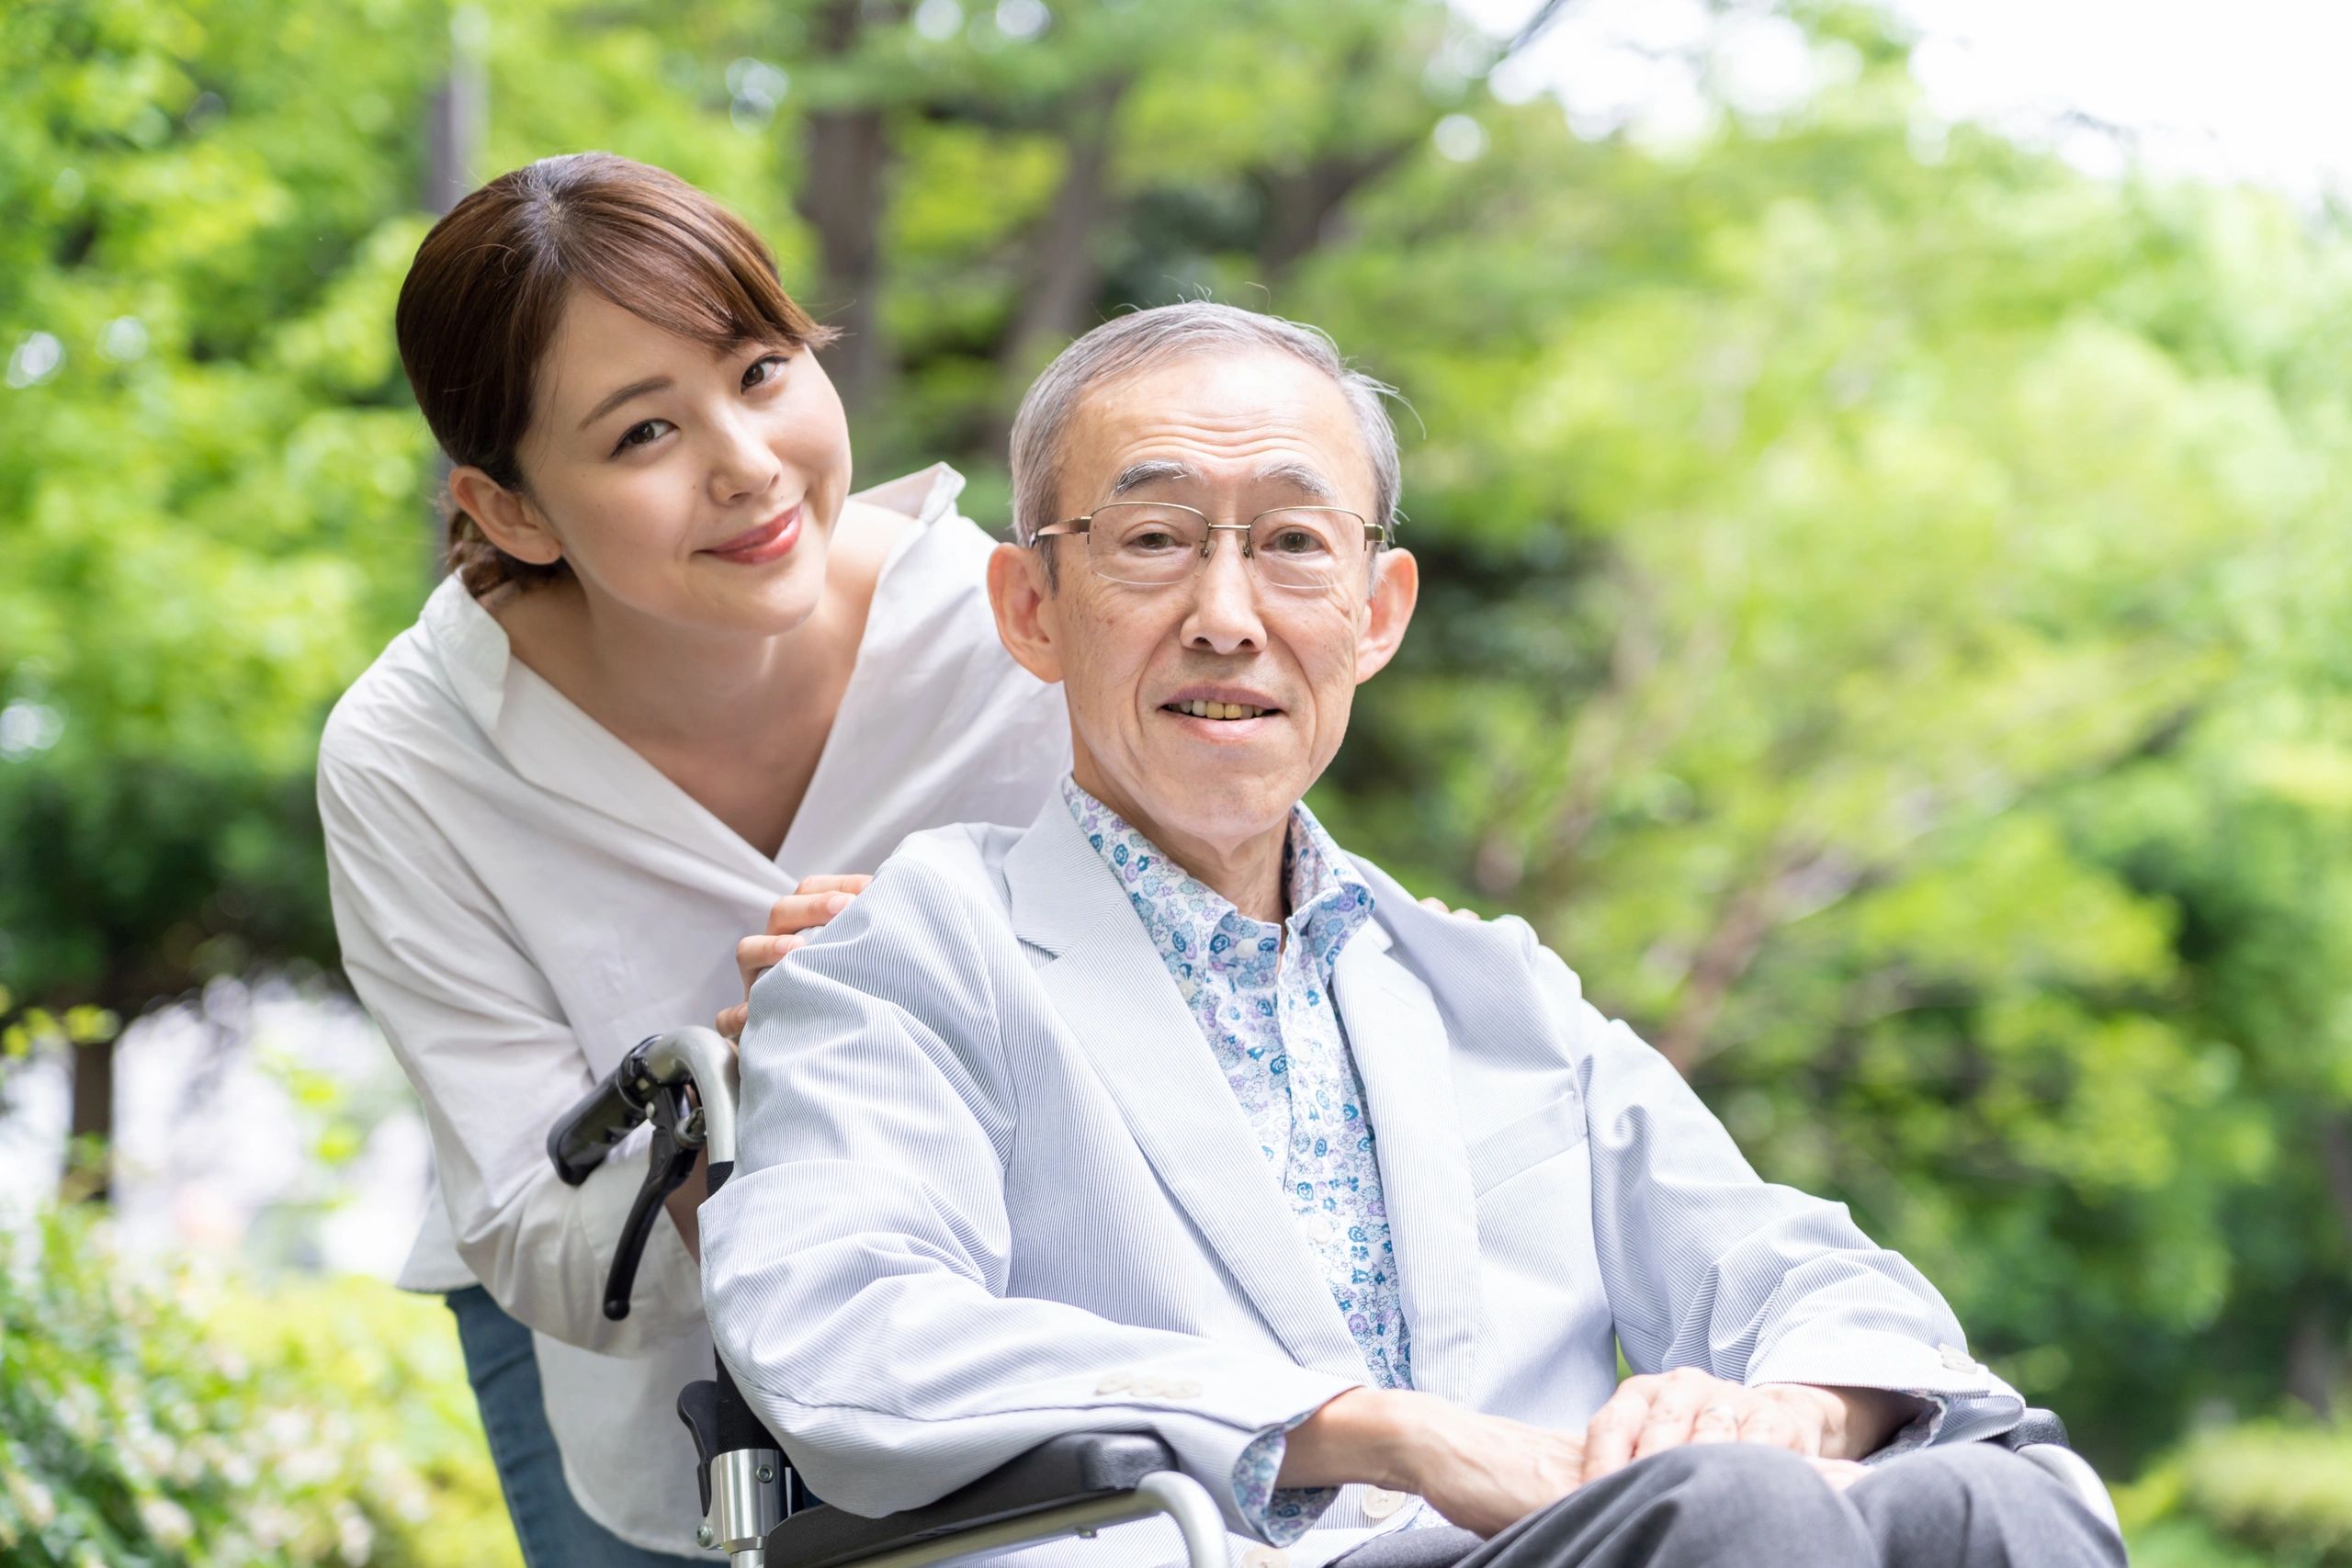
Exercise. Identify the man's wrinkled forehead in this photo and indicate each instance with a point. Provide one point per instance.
(1150, 477)
(1260, 420)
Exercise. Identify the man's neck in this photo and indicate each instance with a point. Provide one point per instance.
(1246, 872)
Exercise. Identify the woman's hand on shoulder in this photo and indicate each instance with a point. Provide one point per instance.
(817, 900)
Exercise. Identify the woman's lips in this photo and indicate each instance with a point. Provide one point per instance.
(768, 542)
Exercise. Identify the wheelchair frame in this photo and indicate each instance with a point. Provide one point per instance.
(685, 1083)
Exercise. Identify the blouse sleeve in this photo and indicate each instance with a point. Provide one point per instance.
(483, 1040)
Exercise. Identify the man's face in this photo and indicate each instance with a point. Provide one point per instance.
(1231, 433)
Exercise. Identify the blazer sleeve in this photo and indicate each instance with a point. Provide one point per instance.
(857, 1264)
(1707, 1265)
(495, 1064)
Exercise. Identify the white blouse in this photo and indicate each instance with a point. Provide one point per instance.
(520, 897)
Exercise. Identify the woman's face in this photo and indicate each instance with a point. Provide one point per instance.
(695, 487)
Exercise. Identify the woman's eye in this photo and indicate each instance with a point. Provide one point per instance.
(759, 374)
(641, 432)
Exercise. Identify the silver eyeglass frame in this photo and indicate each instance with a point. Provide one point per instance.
(1376, 538)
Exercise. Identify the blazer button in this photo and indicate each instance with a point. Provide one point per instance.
(1379, 1503)
(1116, 1382)
(1264, 1557)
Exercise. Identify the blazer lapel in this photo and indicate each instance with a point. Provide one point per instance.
(1399, 1044)
(1111, 987)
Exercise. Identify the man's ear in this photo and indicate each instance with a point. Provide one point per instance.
(1395, 588)
(507, 517)
(1025, 610)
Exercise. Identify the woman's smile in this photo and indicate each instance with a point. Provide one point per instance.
(769, 541)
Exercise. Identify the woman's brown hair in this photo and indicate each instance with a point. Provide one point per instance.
(483, 298)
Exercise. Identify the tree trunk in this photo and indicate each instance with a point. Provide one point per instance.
(2314, 1363)
(1744, 921)
(1063, 270)
(847, 151)
(89, 1154)
(1792, 881)
(1303, 206)
(2335, 1166)
(453, 125)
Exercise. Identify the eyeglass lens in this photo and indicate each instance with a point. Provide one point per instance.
(1151, 545)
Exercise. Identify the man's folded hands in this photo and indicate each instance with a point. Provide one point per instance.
(1486, 1473)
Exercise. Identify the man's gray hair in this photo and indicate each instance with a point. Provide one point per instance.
(1145, 338)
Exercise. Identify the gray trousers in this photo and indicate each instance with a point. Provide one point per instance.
(1744, 1506)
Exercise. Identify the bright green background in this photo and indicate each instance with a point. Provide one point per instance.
(1885, 621)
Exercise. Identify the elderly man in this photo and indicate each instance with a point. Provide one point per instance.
(1166, 1114)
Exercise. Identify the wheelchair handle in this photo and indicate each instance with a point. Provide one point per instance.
(585, 1135)
(696, 1059)
(683, 1083)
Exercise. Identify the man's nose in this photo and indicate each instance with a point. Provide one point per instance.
(1224, 618)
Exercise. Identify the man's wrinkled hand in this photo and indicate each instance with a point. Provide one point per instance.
(1484, 1472)
(1650, 1414)
(1487, 1473)
(813, 903)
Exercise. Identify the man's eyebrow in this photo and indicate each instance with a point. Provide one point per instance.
(1151, 470)
(1299, 477)
(634, 389)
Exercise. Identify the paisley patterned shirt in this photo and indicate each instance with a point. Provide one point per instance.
(1265, 1006)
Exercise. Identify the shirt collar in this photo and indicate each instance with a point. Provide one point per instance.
(1197, 930)
(472, 649)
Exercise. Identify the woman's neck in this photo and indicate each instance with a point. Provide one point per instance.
(738, 723)
(661, 686)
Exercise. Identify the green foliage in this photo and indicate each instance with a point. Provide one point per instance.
(2266, 1492)
(1883, 611)
(210, 491)
(163, 1418)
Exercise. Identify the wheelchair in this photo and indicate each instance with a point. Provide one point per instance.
(755, 1511)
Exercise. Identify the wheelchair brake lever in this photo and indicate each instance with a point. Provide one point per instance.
(677, 1144)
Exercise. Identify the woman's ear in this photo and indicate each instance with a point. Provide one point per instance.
(1024, 603)
(1395, 588)
(505, 518)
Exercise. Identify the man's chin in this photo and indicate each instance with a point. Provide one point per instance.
(1203, 808)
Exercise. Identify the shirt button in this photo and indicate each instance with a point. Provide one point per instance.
(1117, 1382)
(1183, 1388)
(1265, 1557)
(1957, 1359)
(1379, 1503)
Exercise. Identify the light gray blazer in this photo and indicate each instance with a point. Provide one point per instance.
(992, 1188)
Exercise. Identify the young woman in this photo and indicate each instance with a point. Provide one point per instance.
(676, 668)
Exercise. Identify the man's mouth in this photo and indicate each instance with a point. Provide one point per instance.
(1222, 711)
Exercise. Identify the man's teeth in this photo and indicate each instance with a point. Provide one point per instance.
(1220, 710)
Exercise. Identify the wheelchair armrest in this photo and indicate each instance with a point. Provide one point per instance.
(2041, 1438)
(1069, 1470)
(2037, 1427)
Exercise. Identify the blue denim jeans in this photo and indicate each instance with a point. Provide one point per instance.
(554, 1531)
